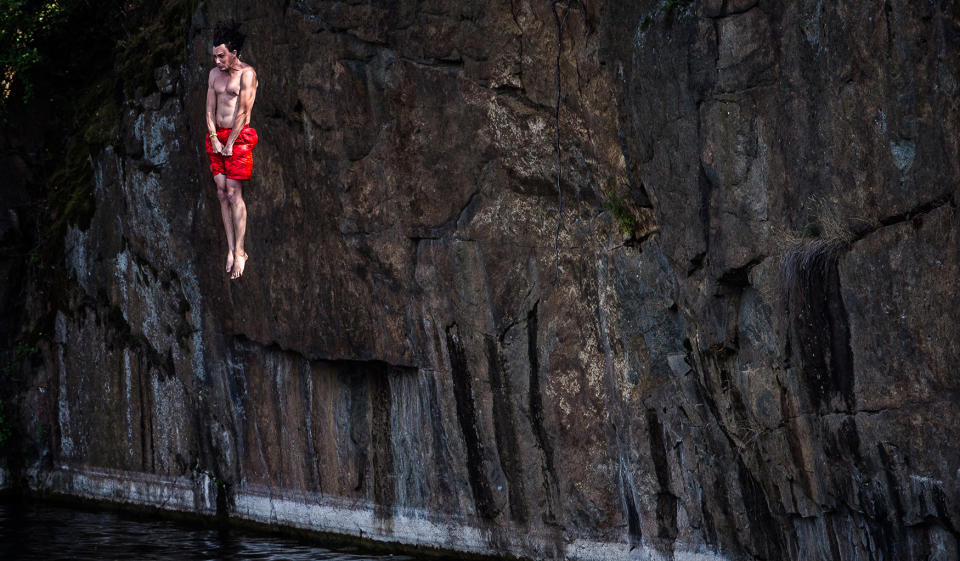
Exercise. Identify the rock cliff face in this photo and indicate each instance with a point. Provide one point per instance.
(727, 331)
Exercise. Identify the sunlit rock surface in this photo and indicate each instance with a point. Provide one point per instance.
(429, 346)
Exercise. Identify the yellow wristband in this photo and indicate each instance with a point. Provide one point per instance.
(212, 135)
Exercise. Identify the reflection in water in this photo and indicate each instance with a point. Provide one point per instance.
(32, 531)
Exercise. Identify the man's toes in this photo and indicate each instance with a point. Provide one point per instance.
(239, 265)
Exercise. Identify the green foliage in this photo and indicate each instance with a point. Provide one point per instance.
(23, 25)
(618, 208)
(69, 196)
(6, 427)
(55, 50)
(21, 353)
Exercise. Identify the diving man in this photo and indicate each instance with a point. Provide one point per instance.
(231, 91)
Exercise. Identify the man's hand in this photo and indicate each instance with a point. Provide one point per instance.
(215, 144)
(227, 150)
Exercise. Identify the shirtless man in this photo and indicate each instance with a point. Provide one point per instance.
(231, 90)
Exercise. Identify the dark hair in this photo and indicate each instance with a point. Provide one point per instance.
(227, 33)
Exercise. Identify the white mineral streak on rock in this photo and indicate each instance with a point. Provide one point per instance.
(924, 481)
(421, 528)
(165, 78)
(78, 261)
(146, 305)
(904, 151)
(307, 133)
(410, 440)
(226, 445)
(308, 411)
(639, 36)
(127, 383)
(522, 137)
(585, 550)
(140, 305)
(168, 399)
(191, 291)
(63, 403)
(811, 25)
(678, 363)
(206, 497)
(145, 201)
(157, 129)
(943, 545)
(98, 189)
(123, 262)
(357, 519)
(611, 364)
(119, 486)
(282, 368)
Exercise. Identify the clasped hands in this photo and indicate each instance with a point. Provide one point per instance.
(222, 149)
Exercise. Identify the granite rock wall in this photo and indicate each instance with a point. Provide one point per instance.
(725, 332)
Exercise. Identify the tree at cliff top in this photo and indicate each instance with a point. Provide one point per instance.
(40, 46)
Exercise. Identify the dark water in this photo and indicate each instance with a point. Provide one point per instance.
(43, 531)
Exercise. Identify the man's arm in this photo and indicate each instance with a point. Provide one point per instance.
(248, 93)
(211, 115)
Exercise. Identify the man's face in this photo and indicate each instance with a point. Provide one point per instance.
(223, 58)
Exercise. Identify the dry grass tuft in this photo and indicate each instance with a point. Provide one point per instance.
(814, 248)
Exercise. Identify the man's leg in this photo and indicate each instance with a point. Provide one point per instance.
(239, 216)
(226, 215)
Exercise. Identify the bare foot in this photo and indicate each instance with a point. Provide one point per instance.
(239, 263)
(229, 261)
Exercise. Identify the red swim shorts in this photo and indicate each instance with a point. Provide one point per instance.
(240, 164)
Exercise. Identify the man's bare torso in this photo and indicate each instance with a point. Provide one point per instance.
(227, 86)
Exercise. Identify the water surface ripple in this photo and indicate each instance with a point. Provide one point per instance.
(42, 531)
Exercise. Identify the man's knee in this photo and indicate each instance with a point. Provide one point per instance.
(234, 190)
(233, 195)
(220, 181)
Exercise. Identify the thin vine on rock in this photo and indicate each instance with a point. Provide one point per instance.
(561, 20)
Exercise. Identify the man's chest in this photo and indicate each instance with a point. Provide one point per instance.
(226, 85)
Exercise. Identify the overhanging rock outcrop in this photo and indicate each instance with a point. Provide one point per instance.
(733, 338)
